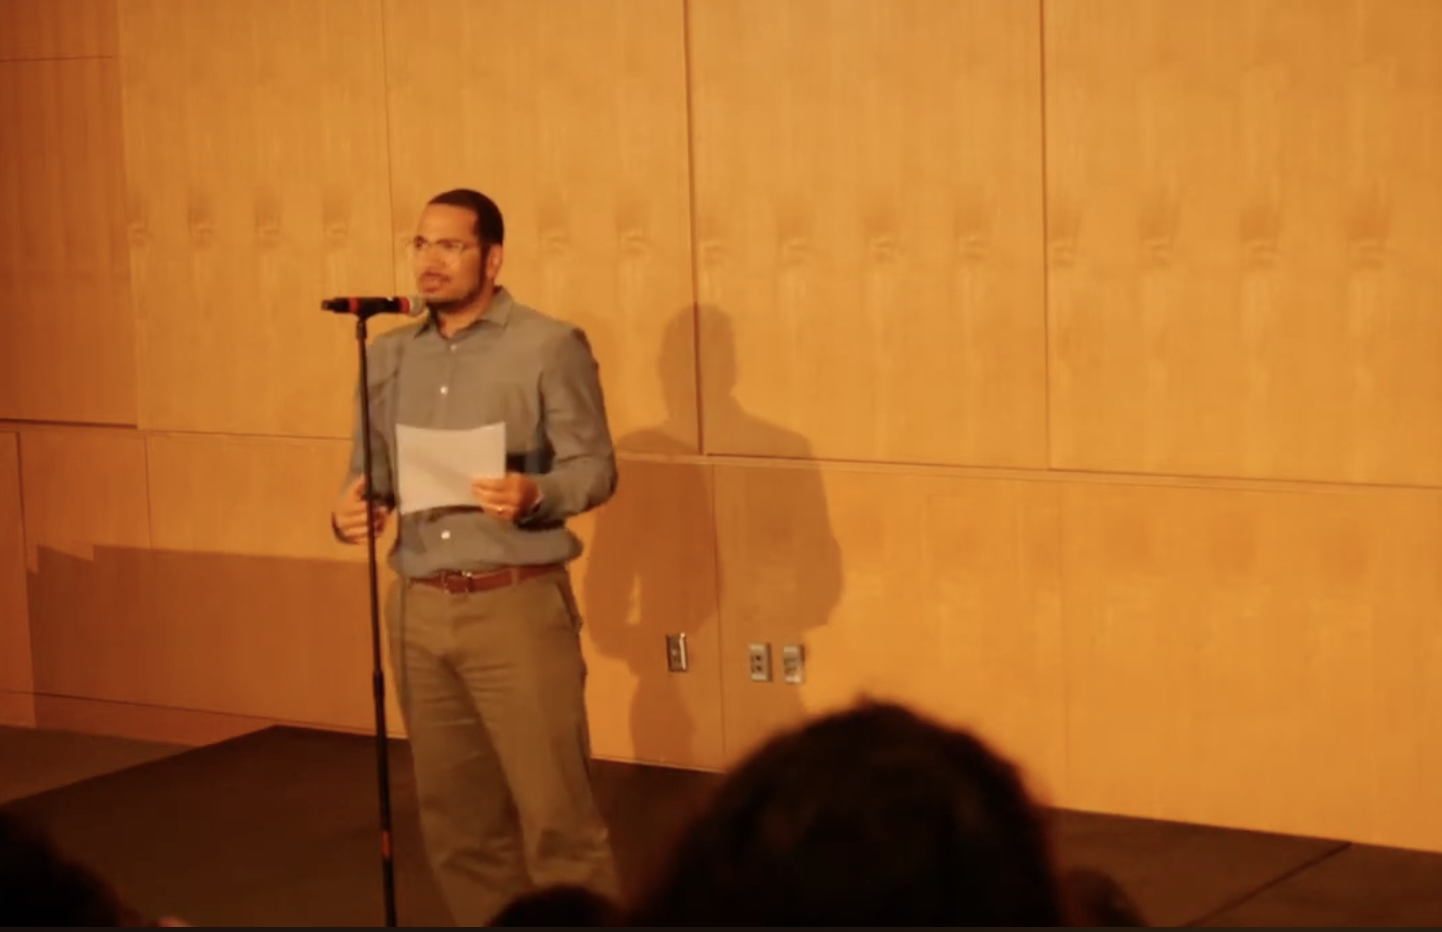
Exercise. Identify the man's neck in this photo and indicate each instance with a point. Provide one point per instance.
(452, 322)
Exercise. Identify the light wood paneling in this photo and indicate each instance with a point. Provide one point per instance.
(142, 722)
(868, 212)
(248, 496)
(255, 142)
(1245, 214)
(1269, 660)
(649, 569)
(32, 29)
(260, 611)
(16, 671)
(572, 116)
(82, 489)
(239, 604)
(938, 591)
(67, 342)
(87, 551)
(17, 710)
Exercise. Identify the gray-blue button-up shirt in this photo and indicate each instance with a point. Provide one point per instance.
(514, 365)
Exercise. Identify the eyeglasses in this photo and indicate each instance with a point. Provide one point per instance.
(448, 247)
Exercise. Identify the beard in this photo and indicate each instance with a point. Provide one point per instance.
(440, 305)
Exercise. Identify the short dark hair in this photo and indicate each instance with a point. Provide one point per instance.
(1098, 901)
(490, 227)
(560, 906)
(41, 886)
(870, 816)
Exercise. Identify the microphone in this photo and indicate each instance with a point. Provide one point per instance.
(412, 306)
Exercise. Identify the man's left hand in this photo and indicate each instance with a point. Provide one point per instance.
(507, 498)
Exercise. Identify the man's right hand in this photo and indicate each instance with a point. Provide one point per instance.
(350, 514)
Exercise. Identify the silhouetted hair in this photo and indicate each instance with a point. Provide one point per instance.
(1098, 901)
(558, 907)
(872, 816)
(490, 227)
(40, 886)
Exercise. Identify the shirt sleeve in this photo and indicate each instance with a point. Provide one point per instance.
(583, 471)
(383, 487)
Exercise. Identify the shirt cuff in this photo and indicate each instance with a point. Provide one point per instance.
(539, 509)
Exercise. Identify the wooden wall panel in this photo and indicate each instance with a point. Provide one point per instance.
(255, 143)
(247, 496)
(17, 680)
(1244, 215)
(942, 592)
(648, 570)
(261, 612)
(62, 248)
(17, 710)
(87, 539)
(1264, 659)
(869, 224)
(48, 29)
(572, 116)
(160, 724)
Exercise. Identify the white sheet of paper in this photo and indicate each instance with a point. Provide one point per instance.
(437, 466)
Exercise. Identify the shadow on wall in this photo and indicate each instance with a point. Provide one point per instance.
(648, 570)
(268, 637)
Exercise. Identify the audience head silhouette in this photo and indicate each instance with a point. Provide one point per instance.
(871, 816)
(561, 906)
(1098, 901)
(40, 886)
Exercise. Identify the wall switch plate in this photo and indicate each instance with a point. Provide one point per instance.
(677, 660)
(793, 663)
(760, 655)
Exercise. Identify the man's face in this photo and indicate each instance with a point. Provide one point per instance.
(446, 257)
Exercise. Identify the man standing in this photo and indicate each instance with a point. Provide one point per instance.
(483, 625)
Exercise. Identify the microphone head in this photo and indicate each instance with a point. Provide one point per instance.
(412, 306)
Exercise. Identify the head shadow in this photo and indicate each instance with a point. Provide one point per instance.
(726, 553)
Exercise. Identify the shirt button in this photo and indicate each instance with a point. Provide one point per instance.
(445, 535)
(444, 390)
(453, 347)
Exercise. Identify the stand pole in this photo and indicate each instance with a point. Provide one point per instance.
(378, 673)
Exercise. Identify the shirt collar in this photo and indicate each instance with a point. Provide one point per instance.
(497, 313)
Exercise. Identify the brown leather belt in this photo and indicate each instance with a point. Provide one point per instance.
(460, 582)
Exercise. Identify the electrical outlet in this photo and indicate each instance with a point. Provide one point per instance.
(676, 659)
(760, 655)
(793, 663)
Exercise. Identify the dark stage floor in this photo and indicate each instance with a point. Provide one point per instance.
(279, 828)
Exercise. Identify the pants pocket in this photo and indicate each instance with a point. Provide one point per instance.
(569, 605)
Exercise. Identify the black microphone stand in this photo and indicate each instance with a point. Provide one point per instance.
(378, 673)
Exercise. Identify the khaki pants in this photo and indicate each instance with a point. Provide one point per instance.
(492, 690)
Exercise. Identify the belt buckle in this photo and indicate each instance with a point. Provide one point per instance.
(457, 583)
